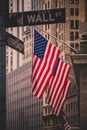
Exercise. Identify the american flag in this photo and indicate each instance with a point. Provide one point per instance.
(59, 87)
(45, 59)
(65, 123)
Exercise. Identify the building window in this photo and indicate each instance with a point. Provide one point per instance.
(66, 107)
(56, 3)
(48, 122)
(11, 11)
(71, 1)
(77, 24)
(45, 110)
(61, 36)
(72, 45)
(59, 3)
(6, 70)
(11, 5)
(76, 35)
(72, 11)
(48, 4)
(72, 36)
(46, 27)
(46, 100)
(11, 69)
(62, 2)
(7, 61)
(56, 34)
(11, 29)
(48, 36)
(76, 11)
(72, 24)
(77, 46)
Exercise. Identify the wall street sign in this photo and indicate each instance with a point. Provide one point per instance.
(36, 17)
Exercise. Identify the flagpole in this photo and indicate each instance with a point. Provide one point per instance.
(59, 40)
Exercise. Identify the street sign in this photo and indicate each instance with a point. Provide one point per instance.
(14, 43)
(36, 17)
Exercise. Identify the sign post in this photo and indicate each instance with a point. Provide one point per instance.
(4, 7)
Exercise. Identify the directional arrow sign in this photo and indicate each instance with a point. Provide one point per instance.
(36, 17)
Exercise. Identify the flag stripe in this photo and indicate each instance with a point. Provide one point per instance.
(67, 126)
(59, 105)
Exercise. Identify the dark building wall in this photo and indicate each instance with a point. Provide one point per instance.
(86, 10)
(24, 111)
(80, 68)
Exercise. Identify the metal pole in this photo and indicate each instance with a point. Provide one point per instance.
(59, 40)
(2, 73)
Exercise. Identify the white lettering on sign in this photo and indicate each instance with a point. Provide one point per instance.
(50, 17)
(44, 18)
(40, 18)
(31, 18)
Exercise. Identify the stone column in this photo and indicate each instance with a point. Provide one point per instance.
(80, 68)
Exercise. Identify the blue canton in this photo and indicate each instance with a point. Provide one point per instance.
(40, 44)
